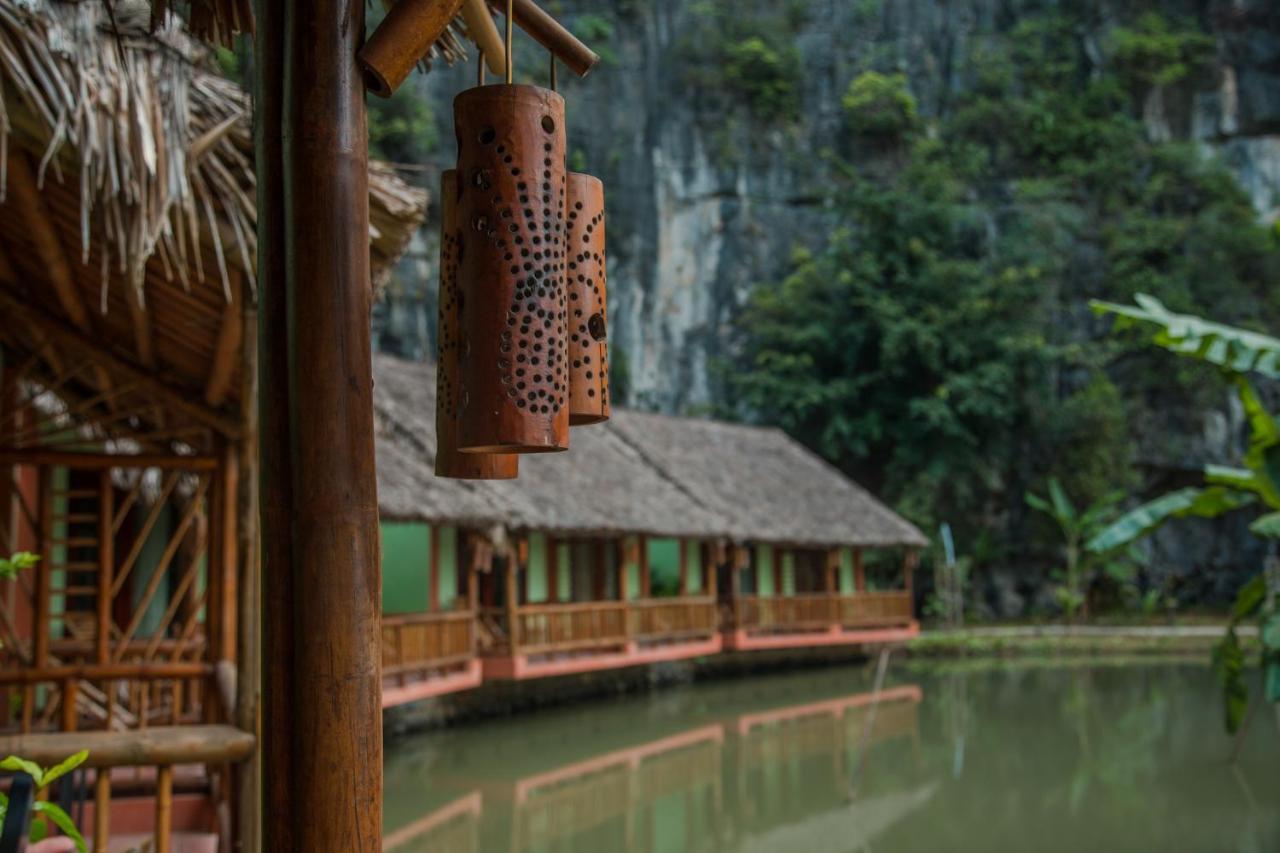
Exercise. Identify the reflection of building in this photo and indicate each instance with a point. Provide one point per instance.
(751, 778)
(655, 539)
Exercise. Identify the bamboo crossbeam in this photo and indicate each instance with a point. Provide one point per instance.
(549, 33)
(66, 335)
(100, 672)
(158, 746)
(100, 461)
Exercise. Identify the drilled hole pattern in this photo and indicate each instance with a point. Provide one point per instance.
(587, 282)
(512, 213)
(447, 339)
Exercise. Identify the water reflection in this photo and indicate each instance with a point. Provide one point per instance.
(1113, 758)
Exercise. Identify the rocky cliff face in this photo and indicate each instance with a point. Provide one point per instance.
(705, 199)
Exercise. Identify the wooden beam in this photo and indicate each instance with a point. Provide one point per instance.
(96, 672)
(103, 461)
(65, 335)
(140, 319)
(228, 350)
(53, 259)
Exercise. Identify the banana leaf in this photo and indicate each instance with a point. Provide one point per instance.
(1228, 347)
(1191, 501)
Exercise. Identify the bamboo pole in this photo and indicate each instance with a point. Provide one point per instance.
(164, 808)
(333, 671)
(404, 36)
(275, 481)
(484, 32)
(101, 808)
(549, 33)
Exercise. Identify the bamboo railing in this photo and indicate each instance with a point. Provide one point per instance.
(579, 626)
(821, 611)
(160, 748)
(418, 645)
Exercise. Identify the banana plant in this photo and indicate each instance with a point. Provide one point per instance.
(44, 811)
(1254, 481)
(1077, 527)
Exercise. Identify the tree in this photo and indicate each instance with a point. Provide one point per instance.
(1255, 480)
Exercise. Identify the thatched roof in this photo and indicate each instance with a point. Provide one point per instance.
(217, 21)
(638, 473)
(128, 214)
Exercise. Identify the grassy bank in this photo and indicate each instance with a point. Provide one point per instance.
(1062, 641)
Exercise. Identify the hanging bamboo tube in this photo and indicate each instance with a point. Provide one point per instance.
(449, 462)
(511, 215)
(404, 37)
(588, 326)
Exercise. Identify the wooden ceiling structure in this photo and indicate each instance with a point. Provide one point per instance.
(127, 236)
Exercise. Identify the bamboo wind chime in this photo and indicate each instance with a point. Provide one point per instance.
(522, 351)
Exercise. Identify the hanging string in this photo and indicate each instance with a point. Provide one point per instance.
(510, 12)
(553, 72)
(479, 66)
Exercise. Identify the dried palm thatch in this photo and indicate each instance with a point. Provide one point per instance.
(160, 145)
(218, 21)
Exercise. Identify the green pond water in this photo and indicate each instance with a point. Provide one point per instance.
(1016, 757)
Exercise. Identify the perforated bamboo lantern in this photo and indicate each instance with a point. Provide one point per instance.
(511, 216)
(449, 461)
(588, 319)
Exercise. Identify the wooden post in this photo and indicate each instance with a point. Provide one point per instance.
(275, 482)
(711, 566)
(684, 568)
(329, 661)
(513, 603)
(908, 569)
(101, 807)
(620, 550)
(106, 565)
(646, 590)
(433, 570)
(225, 528)
(164, 808)
(859, 572)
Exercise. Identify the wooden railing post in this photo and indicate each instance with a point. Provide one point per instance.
(513, 605)
(859, 572)
(101, 808)
(164, 808)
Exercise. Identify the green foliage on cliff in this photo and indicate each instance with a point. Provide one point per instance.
(1157, 52)
(939, 346)
(879, 105)
(402, 128)
(743, 55)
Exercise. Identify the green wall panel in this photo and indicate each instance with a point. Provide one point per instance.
(693, 566)
(846, 571)
(564, 573)
(664, 566)
(536, 572)
(764, 570)
(406, 561)
(630, 546)
(448, 587)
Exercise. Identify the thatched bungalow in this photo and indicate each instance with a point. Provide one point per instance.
(656, 538)
(127, 366)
